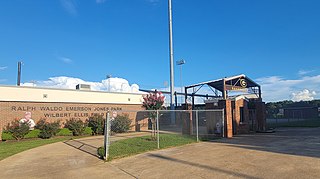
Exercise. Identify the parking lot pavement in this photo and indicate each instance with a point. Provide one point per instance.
(287, 153)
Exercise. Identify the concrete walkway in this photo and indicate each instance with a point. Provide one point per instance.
(288, 153)
(72, 158)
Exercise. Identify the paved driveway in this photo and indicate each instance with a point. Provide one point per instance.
(288, 153)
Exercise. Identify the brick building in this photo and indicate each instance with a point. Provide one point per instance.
(65, 104)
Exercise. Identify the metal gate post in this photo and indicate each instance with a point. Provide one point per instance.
(197, 125)
(106, 136)
(158, 137)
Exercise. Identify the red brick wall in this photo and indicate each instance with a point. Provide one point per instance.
(228, 118)
(10, 111)
(243, 127)
(261, 115)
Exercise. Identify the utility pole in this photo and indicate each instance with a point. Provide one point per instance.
(19, 74)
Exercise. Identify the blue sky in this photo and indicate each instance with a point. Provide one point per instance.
(276, 43)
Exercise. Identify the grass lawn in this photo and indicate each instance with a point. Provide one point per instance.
(132, 146)
(13, 147)
(306, 123)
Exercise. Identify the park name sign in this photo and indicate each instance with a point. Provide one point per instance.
(71, 112)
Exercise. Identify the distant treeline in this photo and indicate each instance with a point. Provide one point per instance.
(273, 107)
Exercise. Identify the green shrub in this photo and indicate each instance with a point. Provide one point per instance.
(96, 123)
(121, 124)
(76, 126)
(6, 136)
(64, 132)
(100, 152)
(88, 131)
(17, 129)
(67, 132)
(32, 134)
(47, 130)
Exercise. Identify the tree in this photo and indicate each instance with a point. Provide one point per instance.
(153, 101)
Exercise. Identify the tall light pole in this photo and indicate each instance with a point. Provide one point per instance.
(171, 58)
(180, 63)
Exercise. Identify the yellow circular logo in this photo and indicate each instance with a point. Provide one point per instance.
(243, 83)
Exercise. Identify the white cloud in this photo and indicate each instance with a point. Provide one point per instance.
(70, 6)
(3, 80)
(66, 60)
(275, 88)
(154, 2)
(304, 72)
(119, 85)
(3, 68)
(110, 84)
(100, 1)
(304, 95)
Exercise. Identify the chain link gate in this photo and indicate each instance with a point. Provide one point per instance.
(158, 126)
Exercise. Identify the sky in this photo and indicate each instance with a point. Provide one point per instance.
(64, 42)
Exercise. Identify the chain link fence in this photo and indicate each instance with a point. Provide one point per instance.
(293, 122)
(128, 131)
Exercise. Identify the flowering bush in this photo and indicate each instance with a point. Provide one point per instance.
(17, 129)
(153, 101)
